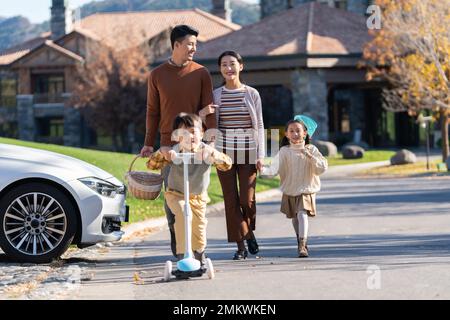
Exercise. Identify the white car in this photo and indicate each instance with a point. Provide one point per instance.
(49, 201)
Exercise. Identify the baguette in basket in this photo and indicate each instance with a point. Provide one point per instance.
(142, 184)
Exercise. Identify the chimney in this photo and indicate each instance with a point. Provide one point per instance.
(61, 19)
(222, 9)
(271, 7)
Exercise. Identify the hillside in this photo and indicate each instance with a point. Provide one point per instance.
(243, 13)
(18, 29)
(15, 30)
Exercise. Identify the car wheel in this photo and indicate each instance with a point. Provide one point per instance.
(38, 223)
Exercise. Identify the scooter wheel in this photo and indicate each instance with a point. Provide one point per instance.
(167, 271)
(209, 268)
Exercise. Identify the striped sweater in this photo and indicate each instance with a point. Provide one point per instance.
(235, 122)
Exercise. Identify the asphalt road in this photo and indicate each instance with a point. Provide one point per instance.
(371, 239)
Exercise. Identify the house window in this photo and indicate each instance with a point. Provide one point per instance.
(50, 130)
(340, 117)
(8, 92)
(48, 88)
(339, 125)
(8, 129)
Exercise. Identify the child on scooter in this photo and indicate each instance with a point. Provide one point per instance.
(188, 132)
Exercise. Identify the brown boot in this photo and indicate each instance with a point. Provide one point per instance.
(200, 256)
(180, 256)
(302, 248)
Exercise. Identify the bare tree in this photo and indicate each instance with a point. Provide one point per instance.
(110, 87)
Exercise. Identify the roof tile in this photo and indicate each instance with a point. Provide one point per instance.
(308, 28)
(113, 28)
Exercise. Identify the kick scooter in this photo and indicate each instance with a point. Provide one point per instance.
(188, 267)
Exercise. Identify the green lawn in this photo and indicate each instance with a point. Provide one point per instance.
(414, 169)
(369, 156)
(117, 164)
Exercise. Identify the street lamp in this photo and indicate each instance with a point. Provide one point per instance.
(425, 123)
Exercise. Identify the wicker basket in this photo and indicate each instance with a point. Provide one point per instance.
(143, 185)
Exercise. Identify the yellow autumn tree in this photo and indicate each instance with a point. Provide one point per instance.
(412, 52)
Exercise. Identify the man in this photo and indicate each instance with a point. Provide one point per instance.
(178, 85)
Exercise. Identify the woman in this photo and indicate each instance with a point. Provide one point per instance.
(240, 121)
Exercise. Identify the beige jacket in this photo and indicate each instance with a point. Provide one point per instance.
(299, 174)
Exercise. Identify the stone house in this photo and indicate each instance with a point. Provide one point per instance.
(302, 57)
(37, 76)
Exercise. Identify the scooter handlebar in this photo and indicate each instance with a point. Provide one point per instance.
(184, 156)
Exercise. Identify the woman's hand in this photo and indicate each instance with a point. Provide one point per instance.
(209, 109)
(259, 164)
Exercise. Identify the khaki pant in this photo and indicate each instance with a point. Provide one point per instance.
(175, 202)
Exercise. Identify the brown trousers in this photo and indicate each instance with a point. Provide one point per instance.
(240, 205)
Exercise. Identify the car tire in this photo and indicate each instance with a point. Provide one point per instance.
(37, 223)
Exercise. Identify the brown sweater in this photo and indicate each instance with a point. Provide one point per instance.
(172, 90)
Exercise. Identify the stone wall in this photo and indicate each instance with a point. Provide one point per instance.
(25, 117)
(309, 95)
(72, 124)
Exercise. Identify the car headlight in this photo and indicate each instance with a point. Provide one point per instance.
(103, 187)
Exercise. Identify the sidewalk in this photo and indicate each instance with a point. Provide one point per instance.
(335, 172)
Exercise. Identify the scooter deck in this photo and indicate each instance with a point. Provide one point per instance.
(188, 274)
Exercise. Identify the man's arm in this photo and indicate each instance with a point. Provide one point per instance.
(153, 111)
(207, 99)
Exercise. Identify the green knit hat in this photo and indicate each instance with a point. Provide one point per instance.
(309, 123)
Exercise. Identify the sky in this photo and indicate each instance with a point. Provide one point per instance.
(39, 10)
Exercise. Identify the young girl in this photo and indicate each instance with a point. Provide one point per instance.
(299, 165)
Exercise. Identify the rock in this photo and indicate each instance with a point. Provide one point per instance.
(326, 148)
(352, 152)
(403, 156)
(361, 144)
